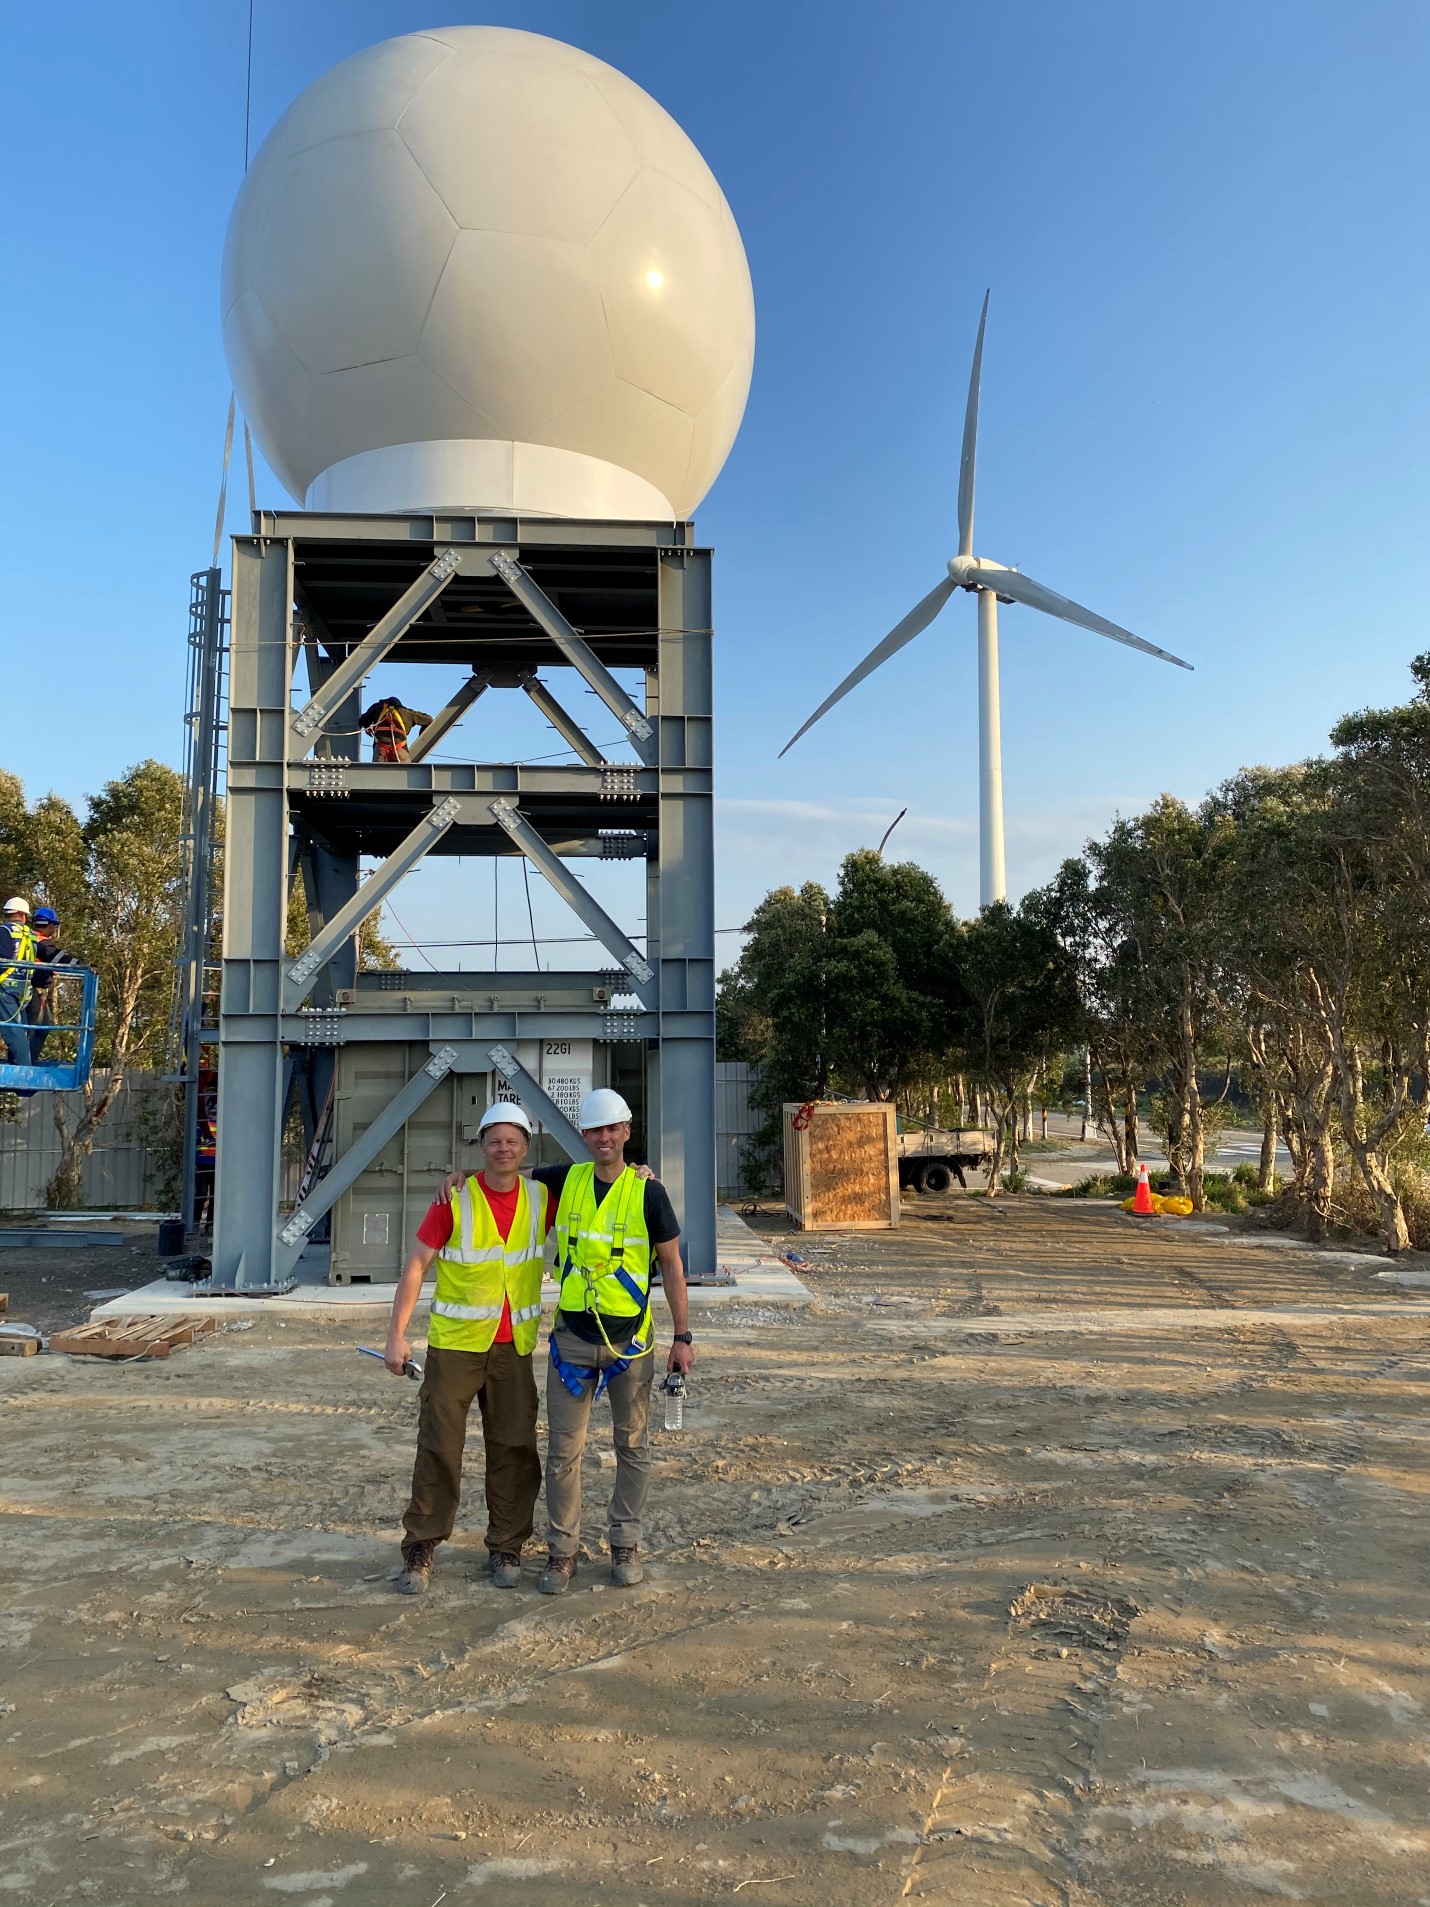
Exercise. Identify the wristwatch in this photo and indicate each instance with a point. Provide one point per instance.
(683, 1337)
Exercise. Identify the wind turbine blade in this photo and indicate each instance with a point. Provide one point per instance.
(969, 459)
(914, 624)
(1022, 589)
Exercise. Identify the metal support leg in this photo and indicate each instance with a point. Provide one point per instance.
(570, 731)
(581, 657)
(589, 911)
(681, 910)
(325, 1194)
(254, 915)
(345, 923)
(539, 1104)
(411, 604)
(448, 718)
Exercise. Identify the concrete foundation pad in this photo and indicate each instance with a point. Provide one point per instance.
(760, 1278)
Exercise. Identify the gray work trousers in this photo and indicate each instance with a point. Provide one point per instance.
(567, 1420)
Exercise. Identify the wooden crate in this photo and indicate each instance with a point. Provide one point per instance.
(842, 1169)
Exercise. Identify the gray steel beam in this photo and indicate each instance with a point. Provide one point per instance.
(680, 910)
(250, 1078)
(288, 1246)
(412, 603)
(567, 779)
(357, 1026)
(583, 905)
(577, 652)
(199, 899)
(448, 718)
(300, 976)
(539, 1103)
(567, 982)
(466, 528)
(566, 727)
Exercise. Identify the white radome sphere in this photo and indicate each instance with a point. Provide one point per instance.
(474, 268)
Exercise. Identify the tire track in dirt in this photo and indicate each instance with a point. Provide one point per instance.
(1004, 1822)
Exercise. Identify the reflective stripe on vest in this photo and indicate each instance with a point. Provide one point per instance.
(478, 1273)
(24, 939)
(603, 1270)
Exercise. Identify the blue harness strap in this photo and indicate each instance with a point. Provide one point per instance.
(577, 1376)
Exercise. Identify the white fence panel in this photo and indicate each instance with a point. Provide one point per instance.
(119, 1175)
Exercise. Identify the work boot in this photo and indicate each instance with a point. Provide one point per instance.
(626, 1568)
(416, 1569)
(556, 1577)
(505, 1565)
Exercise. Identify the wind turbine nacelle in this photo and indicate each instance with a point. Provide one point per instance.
(976, 572)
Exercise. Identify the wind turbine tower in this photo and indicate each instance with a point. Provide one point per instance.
(991, 583)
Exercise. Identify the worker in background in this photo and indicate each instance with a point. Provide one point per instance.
(17, 952)
(487, 1235)
(608, 1222)
(49, 954)
(206, 1149)
(390, 724)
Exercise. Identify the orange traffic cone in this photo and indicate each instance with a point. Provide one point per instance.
(1142, 1205)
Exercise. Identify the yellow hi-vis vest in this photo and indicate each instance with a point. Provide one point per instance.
(477, 1270)
(24, 939)
(602, 1245)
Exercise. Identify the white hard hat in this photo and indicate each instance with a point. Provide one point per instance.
(15, 905)
(602, 1108)
(504, 1112)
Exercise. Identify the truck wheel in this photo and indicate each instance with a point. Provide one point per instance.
(935, 1178)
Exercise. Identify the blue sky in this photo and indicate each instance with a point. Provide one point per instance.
(1204, 401)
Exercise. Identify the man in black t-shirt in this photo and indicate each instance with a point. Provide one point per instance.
(603, 1250)
(660, 1222)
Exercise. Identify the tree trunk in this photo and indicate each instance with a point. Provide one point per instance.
(64, 1193)
(1394, 1232)
(1266, 1178)
(1086, 1091)
(1320, 1183)
(1044, 1111)
(1130, 1148)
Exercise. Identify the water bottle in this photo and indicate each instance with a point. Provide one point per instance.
(675, 1401)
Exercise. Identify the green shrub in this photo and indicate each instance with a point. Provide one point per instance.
(1101, 1185)
(1019, 1181)
(1248, 1175)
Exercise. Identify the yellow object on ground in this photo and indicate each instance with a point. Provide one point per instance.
(1165, 1206)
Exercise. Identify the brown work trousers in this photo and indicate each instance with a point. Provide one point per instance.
(501, 1381)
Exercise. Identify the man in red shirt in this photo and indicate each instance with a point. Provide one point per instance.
(487, 1238)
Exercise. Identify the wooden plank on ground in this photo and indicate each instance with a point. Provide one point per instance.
(133, 1337)
(18, 1344)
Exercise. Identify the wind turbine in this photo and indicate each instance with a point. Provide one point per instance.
(992, 584)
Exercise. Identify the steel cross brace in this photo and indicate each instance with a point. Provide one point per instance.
(578, 653)
(412, 603)
(569, 730)
(449, 717)
(577, 899)
(298, 981)
(325, 1194)
(539, 1103)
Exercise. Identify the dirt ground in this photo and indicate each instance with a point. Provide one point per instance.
(1045, 1559)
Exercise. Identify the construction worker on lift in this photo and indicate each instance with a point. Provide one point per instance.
(48, 953)
(17, 953)
(390, 722)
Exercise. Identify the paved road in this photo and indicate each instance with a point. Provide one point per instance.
(1240, 1146)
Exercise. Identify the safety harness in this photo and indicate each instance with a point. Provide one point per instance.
(23, 957)
(575, 1245)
